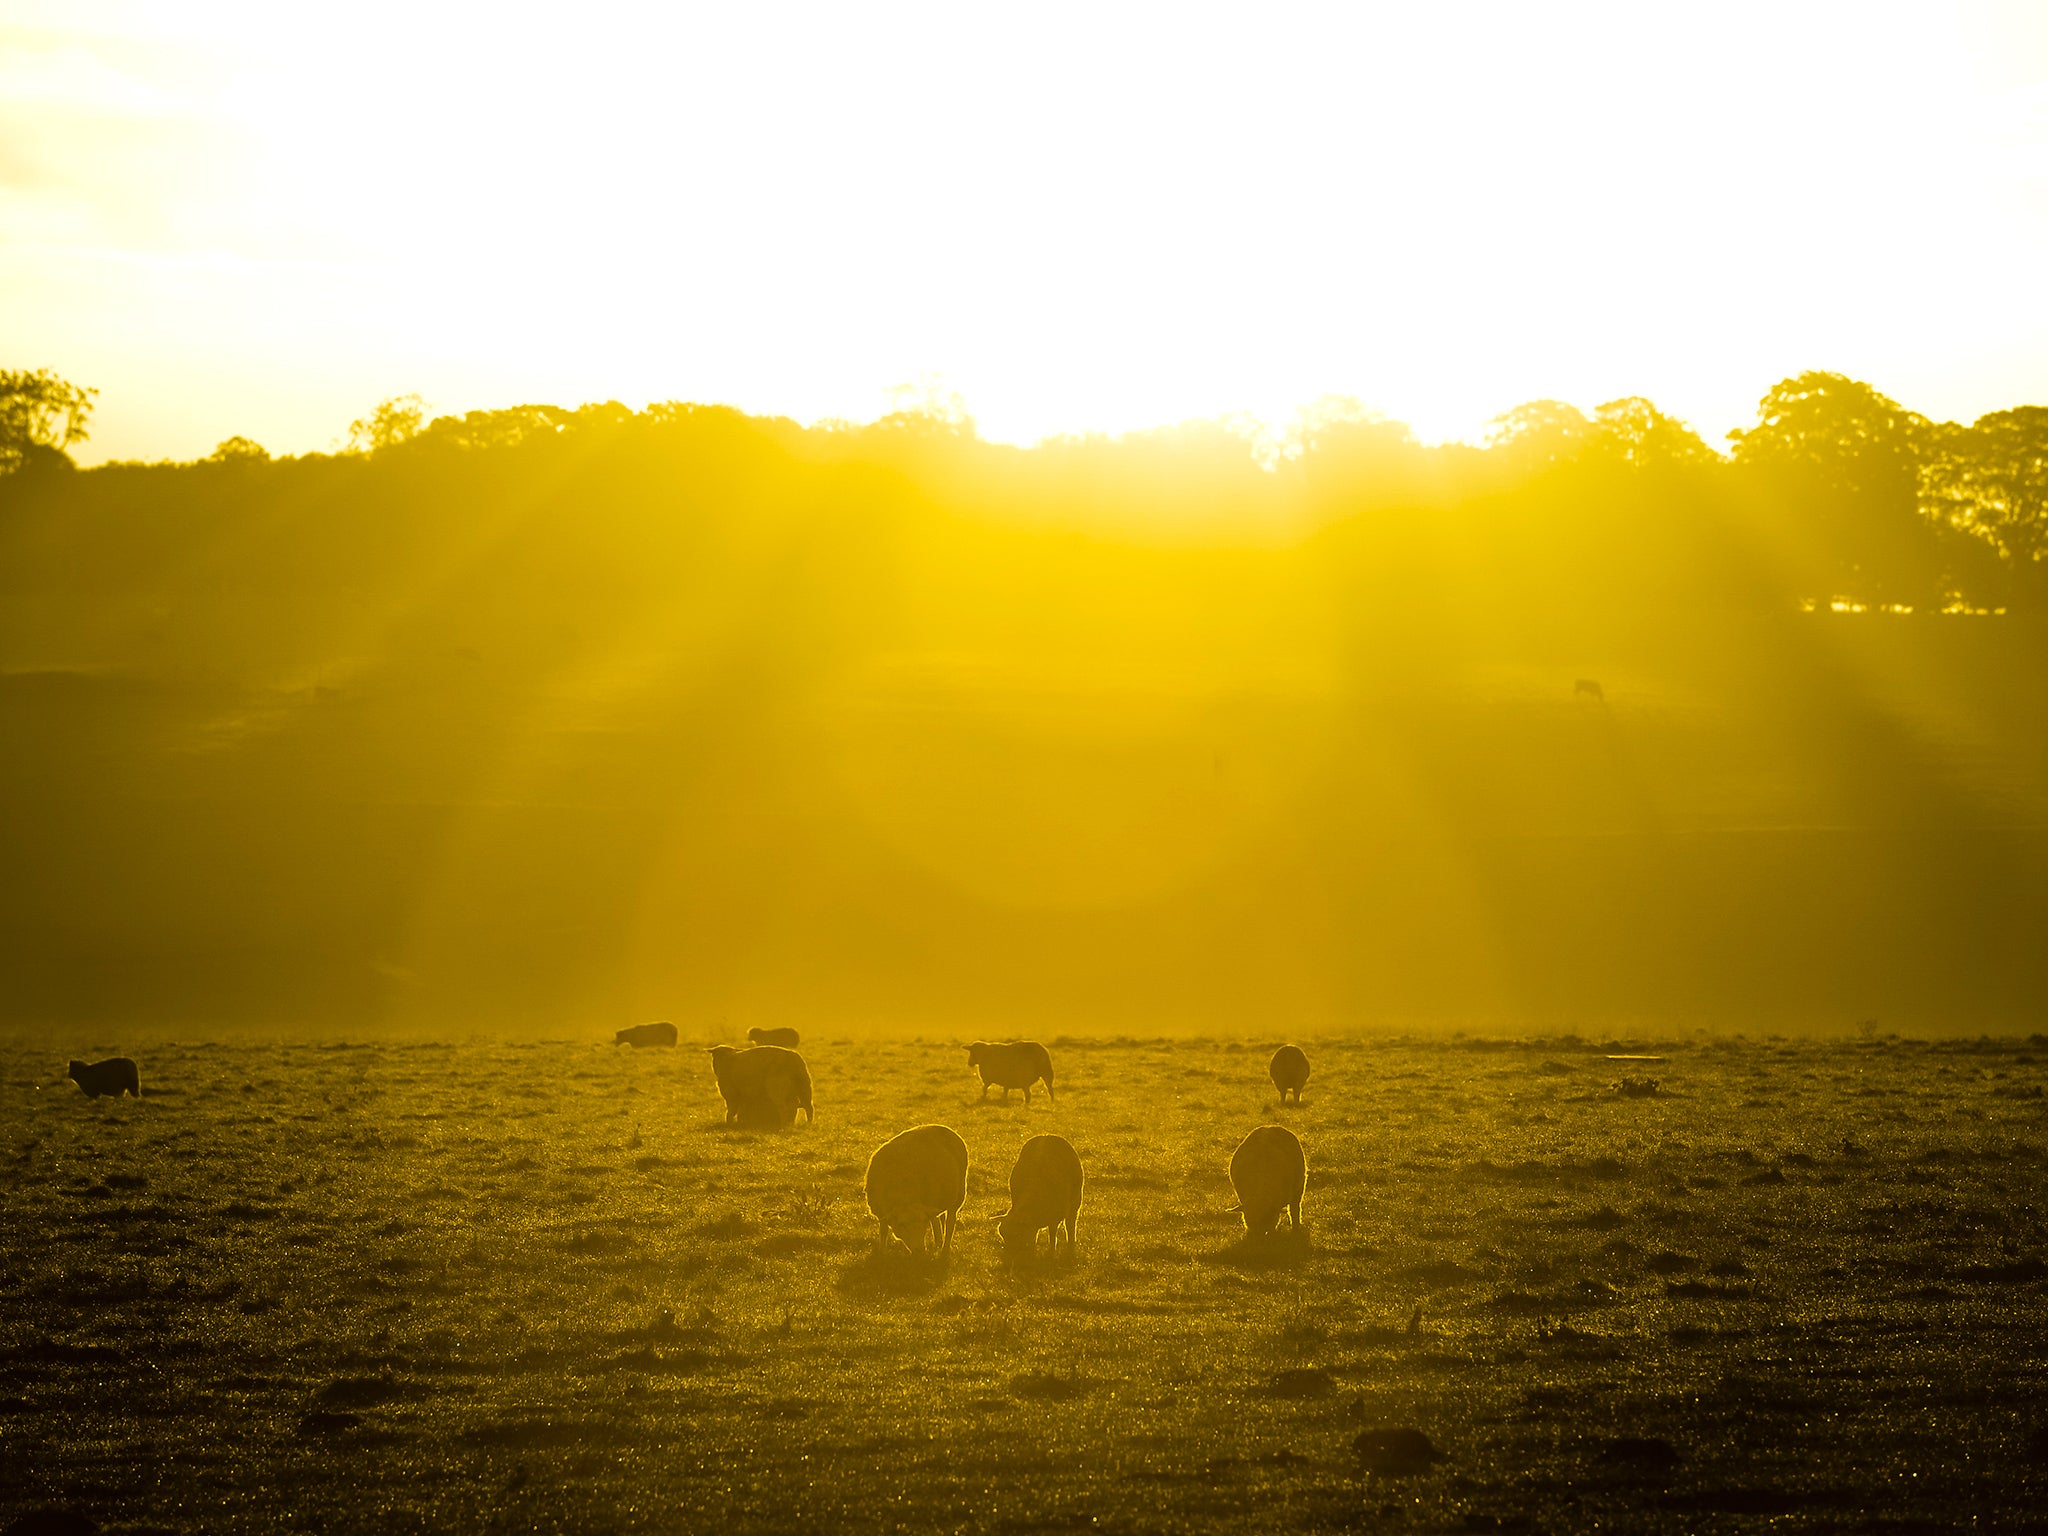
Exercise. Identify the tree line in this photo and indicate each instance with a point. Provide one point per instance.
(1837, 497)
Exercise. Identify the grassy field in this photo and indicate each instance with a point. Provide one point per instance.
(543, 1287)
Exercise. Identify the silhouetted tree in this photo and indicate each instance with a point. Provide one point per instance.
(1841, 462)
(928, 405)
(41, 415)
(1539, 434)
(1991, 480)
(239, 450)
(394, 421)
(1351, 454)
(1633, 431)
(498, 429)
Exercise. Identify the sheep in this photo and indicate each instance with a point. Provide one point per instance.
(114, 1076)
(1289, 1071)
(1269, 1173)
(1018, 1064)
(1045, 1194)
(916, 1183)
(787, 1038)
(646, 1034)
(1589, 688)
(762, 1085)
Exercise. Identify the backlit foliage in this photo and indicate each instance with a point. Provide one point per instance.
(543, 713)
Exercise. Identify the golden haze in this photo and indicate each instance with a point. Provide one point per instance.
(537, 718)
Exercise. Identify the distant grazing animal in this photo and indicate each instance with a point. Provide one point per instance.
(916, 1183)
(1045, 1195)
(646, 1034)
(1017, 1064)
(762, 1085)
(1587, 688)
(1290, 1072)
(782, 1037)
(1269, 1173)
(114, 1076)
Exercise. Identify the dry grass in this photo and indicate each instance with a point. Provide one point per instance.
(545, 1288)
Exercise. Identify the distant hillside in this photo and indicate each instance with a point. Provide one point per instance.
(540, 720)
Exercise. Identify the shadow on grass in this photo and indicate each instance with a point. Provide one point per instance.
(1051, 1386)
(1284, 1248)
(748, 1126)
(891, 1271)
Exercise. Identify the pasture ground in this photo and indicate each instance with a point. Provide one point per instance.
(543, 1288)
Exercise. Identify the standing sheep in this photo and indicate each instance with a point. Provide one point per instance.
(763, 1085)
(1045, 1194)
(1017, 1064)
(1290, 1072)
(1269, 1173)
(917, 1181)
(787, 1038)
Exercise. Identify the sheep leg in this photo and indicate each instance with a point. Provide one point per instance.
(1049, 1097)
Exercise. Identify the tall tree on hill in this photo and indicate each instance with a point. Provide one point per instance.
(1633, 431)
(41, 415)
(1841, 463)
(1991, 480)
(394, 421)
(1539, 434)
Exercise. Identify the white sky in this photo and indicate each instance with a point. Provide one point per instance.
(262, 218)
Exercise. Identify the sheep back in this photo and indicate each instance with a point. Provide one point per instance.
(646, 1034)
(1289, 1070)
(1045, 1190)
(1270, 1173)
(916, 1175)
(114, 1076)
(1011, 1064)
(762, 1085)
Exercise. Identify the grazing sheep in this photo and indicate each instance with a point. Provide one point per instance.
(1290, 1072)
(115, 1076)
(1588, 688)
(1045, 1194)
(1018, 1064)
(1269, 1173)
(646, 1034)
(786, 1038)
(762, 1085)
(917, 1182)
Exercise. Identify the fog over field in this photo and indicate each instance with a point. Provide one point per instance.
(536, 720)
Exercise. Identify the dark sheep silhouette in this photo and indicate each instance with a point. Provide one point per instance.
(1289, 1071)
(1016, 1064)
(646, 1034)
(113, 1077)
